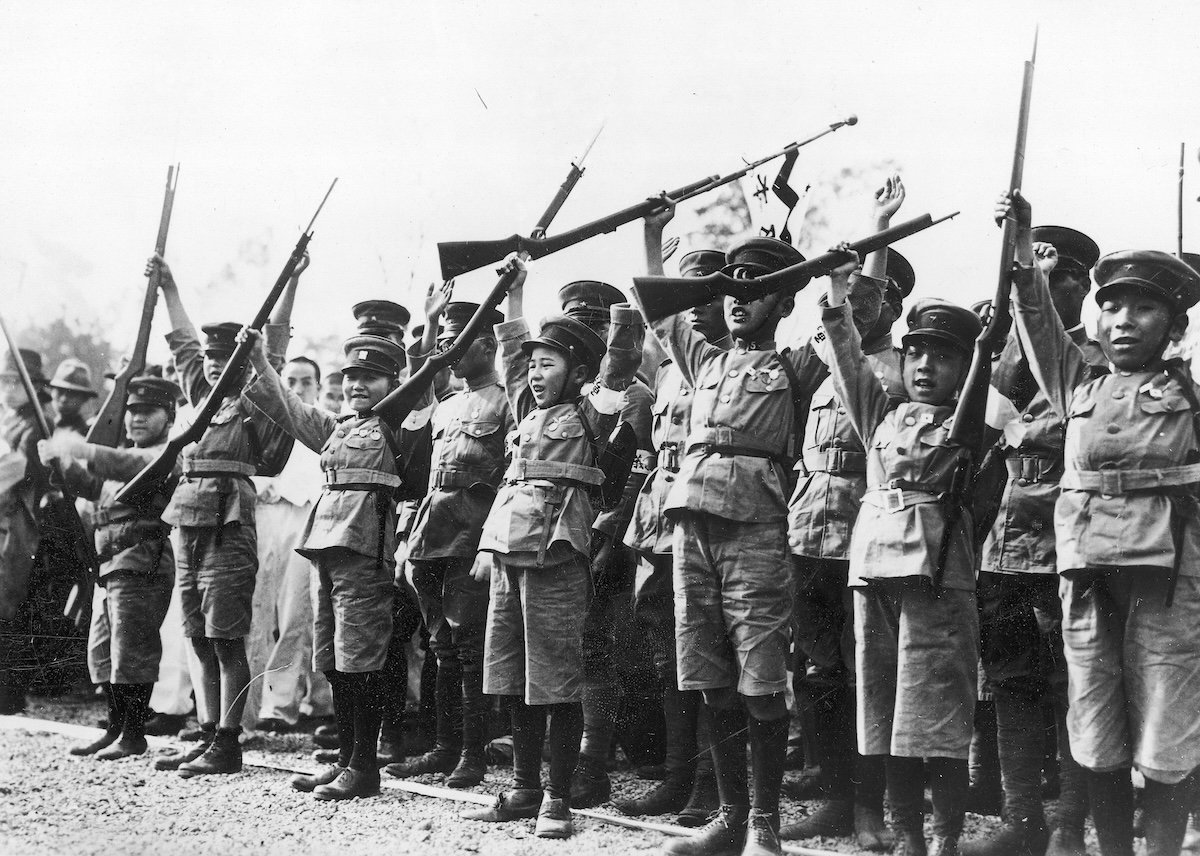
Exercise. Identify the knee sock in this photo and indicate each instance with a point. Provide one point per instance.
(137, 710)
(1111, 796)
(566, 730)
(343, 715)
(768, 753)
(906, 793)
(600, 706)
(368, 714)
(727, 731)
(116, 708)
(529, 735)
(1166, 809)
(950, 782)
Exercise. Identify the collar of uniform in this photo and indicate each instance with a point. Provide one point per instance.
(492, 378)
(724, 343)
(742, 346)
(883, 343)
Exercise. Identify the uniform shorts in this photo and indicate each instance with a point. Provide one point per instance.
(534, 640)
(124, 645)
(1133, 665)
(733, 604)
(215, 577)
(352, 596)
(1020, 633)
(917, 658)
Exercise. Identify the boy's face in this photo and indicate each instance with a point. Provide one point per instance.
(756, 318)
(332, 396)
(476, 360)
(1068, 289)
(708, 320)
(551, 374)
(1135, 327)
(301, 379)
(67, 402)
(146, 423)
(933, 371)
(214, 365)
(364, 389)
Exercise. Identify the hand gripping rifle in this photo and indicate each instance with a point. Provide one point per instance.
(77, 539)
(969, 428)
(109, 427)
(661, 296)
(463, 256)
(142, 487)
(402, 400)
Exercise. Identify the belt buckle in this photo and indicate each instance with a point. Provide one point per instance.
(1110, 483)
(893, 499)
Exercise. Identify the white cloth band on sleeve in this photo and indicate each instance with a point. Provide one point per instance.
(418, 419)
(605, 400)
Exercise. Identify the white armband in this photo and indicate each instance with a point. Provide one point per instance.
(605, 400)
(418, 419)
(999, 410)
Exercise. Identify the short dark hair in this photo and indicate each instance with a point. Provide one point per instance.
(308, 361)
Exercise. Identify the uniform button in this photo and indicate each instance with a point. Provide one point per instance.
(836, 442)
(1118, 393)
(910, 420)
(733, 373)
(675, 420)
(683, 392)
(1123, 374)
(341, 433)
(1023, 482)
(1028, 417)
(1114, 429)
(841, 410)
(726, 398)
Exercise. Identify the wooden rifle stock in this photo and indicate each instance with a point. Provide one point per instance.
(141, 489)
(461, 257)
(87, 564)
(660, 297)
(400, 402)
(109, 427)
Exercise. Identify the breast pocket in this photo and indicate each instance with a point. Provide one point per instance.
(1082, 407)
(362, 450)
(1169, 402)
(823, 416)
(479, 443)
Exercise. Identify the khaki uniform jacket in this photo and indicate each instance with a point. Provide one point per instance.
(1021, 539)
(900, 527)
(20, 532)
(538, 520)
(226, 450)
(363, 460)
(833, 468)
(470, 431)
(1124, 421)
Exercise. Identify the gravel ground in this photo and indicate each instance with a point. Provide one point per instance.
(53, 803)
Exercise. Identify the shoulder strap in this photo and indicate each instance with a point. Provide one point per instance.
(1175, 372)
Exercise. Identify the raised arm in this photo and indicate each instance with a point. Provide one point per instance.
(509, 336)
(268, 395)
(853, 378)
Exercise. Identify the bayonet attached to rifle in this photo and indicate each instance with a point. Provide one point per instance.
(142, 488)
(109, 426)
(461, 257)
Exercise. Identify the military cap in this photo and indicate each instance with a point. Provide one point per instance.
(459, 313)
(1159, 273)
(572, 337)
(373, 353)
(939, 319)
(756, 256)
(221, 339)
(701, 263)
(900, 272)
(155, 391)
(73, 376)
(33, 364)
(588, 300)
(1076, 251)
(381, 318)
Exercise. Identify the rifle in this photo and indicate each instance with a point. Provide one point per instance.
(969, 429)
(139, 490)
(661, 296)
(401, 401)
(109, 427)
(1179, 213)
(87, 565)
(459, 257)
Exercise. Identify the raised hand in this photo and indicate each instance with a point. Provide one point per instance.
(888, 200)
(437, 298)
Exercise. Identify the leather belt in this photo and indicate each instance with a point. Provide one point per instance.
(1029, 469)
(349, 478)
(836, 461)
(209, 469)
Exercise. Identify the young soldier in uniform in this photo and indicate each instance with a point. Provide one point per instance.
(732, 593)
(689, 786)
(350, 538)
(469, 433)
(539, 532)
(1020, 614)
(23, 483)
(71, 389)
(613, 564)
(821, 518)
(213, 506)
(137, 574)
(915, 623)
(1127, 538)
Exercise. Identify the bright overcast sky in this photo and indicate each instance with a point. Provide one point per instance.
(453, 121)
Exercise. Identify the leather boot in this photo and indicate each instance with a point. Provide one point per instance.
(443, 758)
(682, 709)
(762, 830)
(517, 804)
(307, 782)
(724, 834)
(985, 795)
(133, 730)
(949, 791)
(906, 800)
(870, 783)
(1111, 797)
(590, 785)
(831, 819)
(112, 731)
(1166, 809)
(704, 799)
(472, 763)
(349, 785)
(1072, 808)
(173, 762)
(224, 755)
(832, 714)
(553, 819)
(1019, 739)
